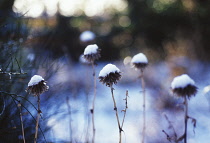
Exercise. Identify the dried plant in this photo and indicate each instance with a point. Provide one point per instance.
(183, 86)
(110, 75)
(92, 53)
(21, 120)
(140, 62)
(37, 86)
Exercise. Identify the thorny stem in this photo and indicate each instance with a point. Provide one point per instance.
(144, 106)
(125, 110)
(69, 111)
(37, 119)
(93, 104)
(21, 120)
(115, 108)
(186, 119)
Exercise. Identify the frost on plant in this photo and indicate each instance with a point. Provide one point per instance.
(37, 85)
(109, 74)
(183, 86)
(87, 36)
(139, 61)
(92, 53)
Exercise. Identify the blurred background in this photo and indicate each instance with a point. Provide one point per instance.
(48, 37)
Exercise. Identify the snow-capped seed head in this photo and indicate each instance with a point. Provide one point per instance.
(183, 86)
(109, 74)
(139, 61)
(37, 85)
(92, 53)
(87, 36)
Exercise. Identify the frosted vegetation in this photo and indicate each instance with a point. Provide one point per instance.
(109, 68)
(139, 58)
(35, 80)
(65, 107)
(91, 49)
(156, 90)
(182, 81)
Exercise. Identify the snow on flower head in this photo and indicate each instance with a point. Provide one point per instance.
(35, 80)
(183, 86)
(37, 85)
(92, 53)
(91, 49)
(87, 36)
(139, 61)
(109, 74)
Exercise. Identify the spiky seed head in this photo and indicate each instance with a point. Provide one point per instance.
(110, 75)
(139, 61)
(37, 85)
(183, 86)
(92, 53)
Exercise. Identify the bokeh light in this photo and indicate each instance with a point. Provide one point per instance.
(35, 8)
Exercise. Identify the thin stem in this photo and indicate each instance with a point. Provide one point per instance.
(18, 64)
(172, 127)
(69, 111)
(115, 108)
(14, 99)
(144, 106)
(21, 120)
(186, 119)
(87, 88)
(3, 106)
(37, 119)
(125, 110)
(10, 94)
(93, 104)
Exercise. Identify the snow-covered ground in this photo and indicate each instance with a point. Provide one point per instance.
(77, 84)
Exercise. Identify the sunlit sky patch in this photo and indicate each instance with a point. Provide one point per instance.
(35, 8)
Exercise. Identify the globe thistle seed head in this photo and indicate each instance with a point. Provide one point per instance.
(37, 85)
(188, 91)
(183, 86)
(139, 61)
(111, 78)
(92, 53)
(110, 75)
(140, 65)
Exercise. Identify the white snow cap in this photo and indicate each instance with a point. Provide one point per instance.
(35, 80)
(87, 36)
(182, 81)
(109, 68)
(139, 58)
(91, 49)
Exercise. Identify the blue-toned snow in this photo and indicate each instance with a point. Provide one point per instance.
(158, 78)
